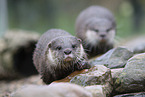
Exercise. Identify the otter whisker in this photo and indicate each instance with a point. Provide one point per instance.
(50, 52)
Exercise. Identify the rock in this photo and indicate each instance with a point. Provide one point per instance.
(100, 90)
(16, 49)
(53, 90)
(114, 58)
(136, 45)
(115, 73)
(96, 90)
(132, 78)
(132, 95)
(2, 45)
(98, 77)
(6, 87)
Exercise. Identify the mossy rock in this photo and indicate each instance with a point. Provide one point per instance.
(16, 50)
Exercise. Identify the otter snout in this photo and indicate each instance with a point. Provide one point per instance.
(68, 55)
(103, 35)
(67, 51)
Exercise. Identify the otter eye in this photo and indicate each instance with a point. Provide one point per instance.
(74, 46)
(108, 30)
(58, 48)
(96, 30)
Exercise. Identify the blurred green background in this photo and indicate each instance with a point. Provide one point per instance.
(41, 15)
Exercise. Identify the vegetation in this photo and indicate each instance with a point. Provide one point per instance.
(43, 15)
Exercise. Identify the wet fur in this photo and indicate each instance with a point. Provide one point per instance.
(50, 63)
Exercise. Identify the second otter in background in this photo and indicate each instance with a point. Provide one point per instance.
(96, 27)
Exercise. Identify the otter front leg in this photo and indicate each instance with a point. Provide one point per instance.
(86, 64)
(82, 65)
(48, 77)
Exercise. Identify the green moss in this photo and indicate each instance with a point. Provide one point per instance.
(117, 81)
(123, 74)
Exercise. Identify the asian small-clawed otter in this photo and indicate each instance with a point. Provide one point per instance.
(96, 27)
(58, 54)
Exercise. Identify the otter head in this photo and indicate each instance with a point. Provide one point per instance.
(65, 49)
(100, 31)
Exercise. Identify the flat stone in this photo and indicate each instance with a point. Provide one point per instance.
(53, 90)
(132, 95)
(98, 77)
(114, 58)
(96, 90)
(132, 78)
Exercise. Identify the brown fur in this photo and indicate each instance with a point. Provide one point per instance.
(58, 54)
(96, 27)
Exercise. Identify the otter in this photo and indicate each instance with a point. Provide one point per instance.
(96, 27)
(57, 54)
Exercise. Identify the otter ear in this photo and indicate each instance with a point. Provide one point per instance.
(49, 44)
(80, 40)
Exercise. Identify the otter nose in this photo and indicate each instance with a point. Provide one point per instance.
(67, 52)
(102, 35)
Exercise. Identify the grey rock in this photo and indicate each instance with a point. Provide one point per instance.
(96, 90)
(6, 87)
(114, 58)
(132, 78)
(53, 90)
(142, 94)
(115, 73)
(12, 44)
(136, 45)
(97, 76)
(100, 90)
